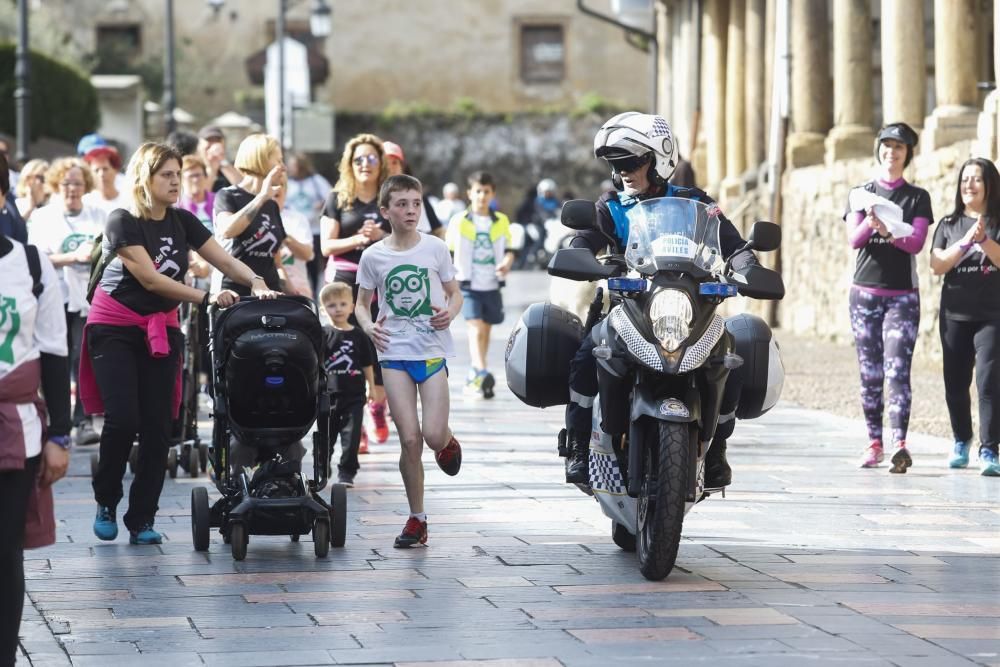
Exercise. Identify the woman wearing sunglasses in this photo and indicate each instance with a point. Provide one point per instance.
(351, 222)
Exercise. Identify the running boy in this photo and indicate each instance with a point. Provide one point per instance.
(348, 363)
(418, 299)
(479, 238)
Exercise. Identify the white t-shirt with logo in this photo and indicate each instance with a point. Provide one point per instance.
(296, 226)
(484, 261)
(409, 283)
(55, 231)
(28, 327)
(95, 199)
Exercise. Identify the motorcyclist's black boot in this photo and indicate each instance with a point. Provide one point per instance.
(578, 457)
(717, 470)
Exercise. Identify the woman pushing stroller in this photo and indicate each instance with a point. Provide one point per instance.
(131, 360)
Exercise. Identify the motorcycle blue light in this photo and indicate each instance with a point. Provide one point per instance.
(627, 284)
(718, 289)
(274, 380)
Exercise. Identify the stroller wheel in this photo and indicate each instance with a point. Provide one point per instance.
(95, 462)
(338, 515)
(200, 518)
(203, 457)
(193, 461)
(171, 463)
(321, 537)
(238, 540)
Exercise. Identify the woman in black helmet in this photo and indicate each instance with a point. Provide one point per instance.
(884, 299)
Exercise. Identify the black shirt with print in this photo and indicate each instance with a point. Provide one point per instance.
(167, 241)
(346, 355)
(880, 263)
(971, 290)
(352, 220)
(257, 245)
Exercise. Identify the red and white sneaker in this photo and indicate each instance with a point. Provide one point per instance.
(449, 459)
(414, 533)
(380, 426)
(873, 455)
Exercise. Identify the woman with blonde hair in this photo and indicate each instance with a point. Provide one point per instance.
(247, 219)
(350, 223)
(31, 191)
(130, 365)
(65, 229)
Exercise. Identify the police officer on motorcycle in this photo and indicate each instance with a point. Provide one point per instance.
(642, 153)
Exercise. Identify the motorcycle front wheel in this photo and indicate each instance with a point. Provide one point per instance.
(660, 510)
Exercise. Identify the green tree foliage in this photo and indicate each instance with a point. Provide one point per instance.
(63, 102)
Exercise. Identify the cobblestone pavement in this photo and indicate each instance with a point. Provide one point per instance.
(808, 560)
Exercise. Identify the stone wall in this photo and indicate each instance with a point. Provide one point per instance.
(519, 150)
(818, 264)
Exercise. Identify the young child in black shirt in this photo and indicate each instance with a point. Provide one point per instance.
(348, 363)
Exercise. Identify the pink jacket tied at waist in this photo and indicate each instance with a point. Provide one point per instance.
(106, 310)
(18, 387)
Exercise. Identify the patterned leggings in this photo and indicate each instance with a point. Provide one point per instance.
(885, 331)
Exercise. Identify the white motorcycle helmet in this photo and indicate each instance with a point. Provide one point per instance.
(546, 185)
(633, 134)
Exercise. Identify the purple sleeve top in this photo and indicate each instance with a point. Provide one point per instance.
(860, 232)
(915, 241)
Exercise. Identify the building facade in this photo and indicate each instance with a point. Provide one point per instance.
(491, 55)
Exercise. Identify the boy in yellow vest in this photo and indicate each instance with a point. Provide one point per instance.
(478, 239)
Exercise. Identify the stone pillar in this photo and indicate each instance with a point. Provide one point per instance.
(811, 108)
(955, 73)
(852, 134)
(735, 104)
(713, 89)
(904, 69)
(756, 93)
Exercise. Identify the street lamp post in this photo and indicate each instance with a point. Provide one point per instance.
(319, 26)
(169, 90)
(279, 33)
(22, 74)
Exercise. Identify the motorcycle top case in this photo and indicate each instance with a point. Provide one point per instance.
(762, 372)
(538, 354)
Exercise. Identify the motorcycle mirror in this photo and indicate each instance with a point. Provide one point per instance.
(764, 236)
(579, 264)
(579, 214)
(762, 283)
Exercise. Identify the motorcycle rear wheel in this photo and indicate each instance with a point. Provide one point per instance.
(660, 510)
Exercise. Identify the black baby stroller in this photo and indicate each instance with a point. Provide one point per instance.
(269, 388)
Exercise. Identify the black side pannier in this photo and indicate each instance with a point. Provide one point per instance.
(762, 372)
(538, 354)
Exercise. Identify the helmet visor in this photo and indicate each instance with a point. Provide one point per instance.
(629, 164)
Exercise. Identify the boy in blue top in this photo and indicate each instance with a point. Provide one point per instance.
(479, 239)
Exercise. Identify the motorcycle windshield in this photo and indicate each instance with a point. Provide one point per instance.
(668, 230)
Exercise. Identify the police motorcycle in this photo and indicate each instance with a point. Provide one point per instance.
(664, 356)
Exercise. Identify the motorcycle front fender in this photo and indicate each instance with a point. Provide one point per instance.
(669, 408)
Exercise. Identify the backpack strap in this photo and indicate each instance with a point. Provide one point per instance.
(35, 267)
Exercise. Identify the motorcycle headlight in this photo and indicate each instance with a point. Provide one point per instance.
(671, 312)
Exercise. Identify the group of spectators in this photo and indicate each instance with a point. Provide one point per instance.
(186, 225)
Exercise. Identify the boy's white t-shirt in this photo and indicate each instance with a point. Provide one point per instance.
(484, 262)
(409, 282)
(296, 226)
(56, 232)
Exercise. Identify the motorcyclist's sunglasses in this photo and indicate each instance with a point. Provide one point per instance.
(629, 164)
